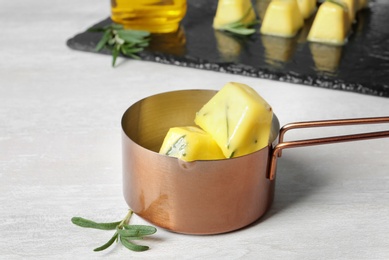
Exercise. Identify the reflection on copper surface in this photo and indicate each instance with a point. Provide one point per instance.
(228, 46)
(201, 197)
(278, 50)
(158, 209)
(170, 43)
(326, 57)
(260, 8)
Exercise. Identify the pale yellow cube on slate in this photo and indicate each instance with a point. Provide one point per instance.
(231, 11)
(307, 7)
(282, 18)
(238, 119)
(331, 24)
(352, 8)
(190, 143)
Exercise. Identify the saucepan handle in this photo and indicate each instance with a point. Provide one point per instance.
(277, 150)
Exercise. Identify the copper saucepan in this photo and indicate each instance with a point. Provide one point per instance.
(203, 197)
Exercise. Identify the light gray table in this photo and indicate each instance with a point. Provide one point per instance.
(60, 153)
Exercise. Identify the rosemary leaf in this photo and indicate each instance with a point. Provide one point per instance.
(136, 33)
(108, 244)
(131, 246)
(239, 27)
(121, 41)
(93, 29)
(136, 57)
(131, 50)
(239, 30)
(86, 223)
(124, 232)
(115, 54)
(129, 45)
(137, 230)
(134, 238)
(143, 44)
(104, 40)
(129, 36)
(114, 26)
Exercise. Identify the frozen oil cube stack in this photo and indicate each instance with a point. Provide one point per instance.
(190, 143)
(307, 7)
(230, 11)
(238, 119)
(331, 24)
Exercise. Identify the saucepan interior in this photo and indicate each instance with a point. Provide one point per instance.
(201, 197)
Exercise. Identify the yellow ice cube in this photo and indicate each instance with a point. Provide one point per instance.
(238, 119)
(282, 18)
(352, 7)
(190, 143)
(331, 24)
(307, 7)
(231, 11)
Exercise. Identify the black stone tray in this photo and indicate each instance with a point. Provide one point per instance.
(361, 66)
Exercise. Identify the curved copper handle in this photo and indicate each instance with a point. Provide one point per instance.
(276, 152)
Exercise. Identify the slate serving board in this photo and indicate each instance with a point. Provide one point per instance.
(361, 66)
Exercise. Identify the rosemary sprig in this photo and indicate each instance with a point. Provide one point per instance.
(120, 40)
(123, 232)
(239, 27)
(178, 148)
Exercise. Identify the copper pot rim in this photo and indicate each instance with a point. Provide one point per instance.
(278, 132)
(274, 129)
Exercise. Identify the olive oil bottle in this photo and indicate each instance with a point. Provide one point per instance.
(155, 16)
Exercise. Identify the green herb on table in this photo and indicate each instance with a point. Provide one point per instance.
(124, 232)
(120, 40)
(178, 148)
(239, 27)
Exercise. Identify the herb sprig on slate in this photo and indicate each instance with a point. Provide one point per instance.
(120, 40)
(239, 27)
(124, 232)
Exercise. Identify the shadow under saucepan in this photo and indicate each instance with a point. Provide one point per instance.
(297, 179)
